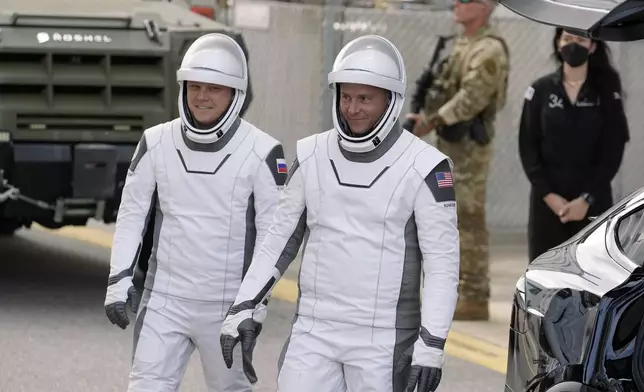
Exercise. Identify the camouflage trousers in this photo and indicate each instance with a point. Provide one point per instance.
(471, 167)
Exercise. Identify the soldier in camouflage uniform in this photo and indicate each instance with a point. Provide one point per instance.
(472, 86)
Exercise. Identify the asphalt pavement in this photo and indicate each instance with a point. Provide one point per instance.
(54, 335)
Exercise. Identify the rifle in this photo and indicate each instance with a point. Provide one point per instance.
(425, 81)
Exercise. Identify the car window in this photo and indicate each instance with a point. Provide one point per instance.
(630, 236)
(625, 202)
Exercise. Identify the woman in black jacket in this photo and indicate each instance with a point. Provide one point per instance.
(572, 137)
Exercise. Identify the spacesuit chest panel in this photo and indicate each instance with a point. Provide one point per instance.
(204, 195)
(357, 213)
(205, 183)
(358, 197)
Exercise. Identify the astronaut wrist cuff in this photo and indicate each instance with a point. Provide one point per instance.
(259, 315)
(427, 356)
(232, 321)
(118, 292)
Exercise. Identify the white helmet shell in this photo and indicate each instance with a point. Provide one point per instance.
(375, 61)
(217, 59)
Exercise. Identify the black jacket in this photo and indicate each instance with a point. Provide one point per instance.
(569, 148)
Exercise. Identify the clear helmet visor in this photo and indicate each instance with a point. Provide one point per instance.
(213, 59)
(369, 60)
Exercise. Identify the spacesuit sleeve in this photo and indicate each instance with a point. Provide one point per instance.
(280, 246)
(269, 181)
(133, 215)
(438, 237)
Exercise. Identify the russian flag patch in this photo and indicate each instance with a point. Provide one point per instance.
(281, 166)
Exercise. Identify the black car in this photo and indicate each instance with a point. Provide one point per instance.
(577, 313)
(578, 308)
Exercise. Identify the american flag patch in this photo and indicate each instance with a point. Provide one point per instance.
(281, 166)
(444, 179)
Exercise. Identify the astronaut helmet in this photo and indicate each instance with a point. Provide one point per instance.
(361, 120)
(206, 109)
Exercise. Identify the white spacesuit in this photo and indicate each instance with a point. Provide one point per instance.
(216, 187)
(375, 211)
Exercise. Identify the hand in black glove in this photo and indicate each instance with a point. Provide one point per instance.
(427, 379)
(426, 359)
(243, 324)
(118, 295)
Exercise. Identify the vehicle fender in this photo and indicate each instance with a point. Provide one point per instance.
(571, 386)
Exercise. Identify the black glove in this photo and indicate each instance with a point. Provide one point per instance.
(116, 311)
(427, 378)
(242, 325)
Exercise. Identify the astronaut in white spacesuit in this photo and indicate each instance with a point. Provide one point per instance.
(216, 181)
(375, 209)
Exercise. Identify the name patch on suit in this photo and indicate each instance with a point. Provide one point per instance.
(441, 183)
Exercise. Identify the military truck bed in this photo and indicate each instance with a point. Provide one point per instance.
(171, 14)
(79, 83)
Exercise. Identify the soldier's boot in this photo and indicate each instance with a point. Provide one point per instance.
(471, 310)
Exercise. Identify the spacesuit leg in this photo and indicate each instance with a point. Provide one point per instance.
(371, 363)
(162, 346)
(308, 362)
(217, 376)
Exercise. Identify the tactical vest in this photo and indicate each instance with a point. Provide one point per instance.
(448, 83)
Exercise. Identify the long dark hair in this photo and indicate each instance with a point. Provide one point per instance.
(602, 75)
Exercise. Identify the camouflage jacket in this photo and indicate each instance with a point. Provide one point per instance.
(473, 81)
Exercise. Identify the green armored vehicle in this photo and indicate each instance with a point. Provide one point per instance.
(79, 83)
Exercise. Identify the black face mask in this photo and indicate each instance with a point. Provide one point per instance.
(574, 54)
